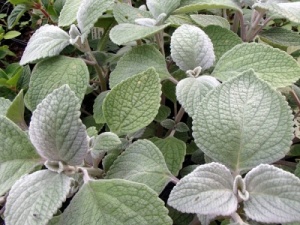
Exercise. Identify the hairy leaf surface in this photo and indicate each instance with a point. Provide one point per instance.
(157, 7)
(4, 105)
(207, 20)
(68, 13)
(16, 111)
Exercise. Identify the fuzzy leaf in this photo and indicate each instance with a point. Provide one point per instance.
(16, 111)
(157, 7)
(173, 150)
(15, 15)
(4, 105)
(17, 154)
(89, 12)
(207, 20)
(36, 197)
(197, 5)
(252, 123)
(68, 13)
(223, 39)
(142, 162)
(270, 64)
(190, 91)
(98, 107)
(53, 73)
(191, 47)
(47, 41)
(138, 60)
(206, 190)
(122, 33)
(106, 141)
(56, 130)
(290, 10)
(274, 195)
(117, 202)
(133, 104)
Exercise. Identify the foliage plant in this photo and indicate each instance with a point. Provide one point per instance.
(172, 81)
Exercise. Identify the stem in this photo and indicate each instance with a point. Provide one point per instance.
(257, 16)
(286, 163)
(235, 25)
(178, 117)
(86, 176)
(174, 180)
(242, 25)
(294, 95)
(160, 42)
(259, 28)
(173, 80)
(98, 70)
(195, 221)
(98, 160)
(237, 218)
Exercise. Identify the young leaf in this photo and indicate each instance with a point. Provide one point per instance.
(106, 141)
(191, 47)
(173, 150)
(15, 15)
(17, 154)
(122, 33)
(251, 123)
(68, 13)
(4, 105)
(16, 111)
(117, 202)
(47, 41)
(11, 34)
(190, 91)
(270, 64)
(207, 20)
(197, 5)
(89, 12)
(56, 130)
(223, 39)
(142, 162)
(289, 10)
(274, 195)
(53, 73)
(157, 7)
(137, 60)
(98, 107)
(34, 198)
(134, 103)
(206, 191)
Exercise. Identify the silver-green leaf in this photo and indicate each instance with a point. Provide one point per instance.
(204, 20)
(157, 7)
(68, 13)
(274, 195)
(36, 197)
(56, 130)
(4, 105)
(191, 47)
(117, 202)
(251, 123)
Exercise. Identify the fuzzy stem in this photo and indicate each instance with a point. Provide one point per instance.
(257, 16)
(98, 69)
(237, 218)
(174, 180)
(235, 25)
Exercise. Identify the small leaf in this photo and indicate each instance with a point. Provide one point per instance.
(173, 150)
(190, 91)
(138, 60)
(47, 41)
(197, 5)
(168, 123)
(15, 15)
(11, 34)
(274, 195)
(16, 111)
(178, 20)
(191, 47)
(182, 127)
(270, 64)
(52, 73)
(122, 33)
(17, 154)
(36, 197)
(89, 12)
(98, 107)
(117, 202)
(157, 7)
(207, 20)
(206, 190)
(244, 107)
(4, 105)
(163, 113)
(68, 13)
(56, 130)
(106, 142)
(142, 162)
(133, 104)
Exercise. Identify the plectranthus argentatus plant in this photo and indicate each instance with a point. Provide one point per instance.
(233, 121)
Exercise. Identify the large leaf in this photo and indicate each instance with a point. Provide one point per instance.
(157, 7)
(133, 104)
(270, 64)
(196, 5)
(122, 33)
(206, 190)
(4, 105)
(139, 59)
(68, 13)
(89, 12)
(190, 91)
(290, 10)
(117, 202)
(16, 111)
(207, 20)
(223, 39)
(56, 130)
(47, 41)
(53, 73)
(142, 162)
(191, 47)
(36, 197)
(17, 154)
(243, 122)
(274, 195)
(173, 150)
